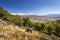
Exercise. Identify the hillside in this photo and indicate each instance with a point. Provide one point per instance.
(16, 27)
(10, 32)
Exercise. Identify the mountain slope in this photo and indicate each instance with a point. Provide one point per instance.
(10, 32)
(53, 15)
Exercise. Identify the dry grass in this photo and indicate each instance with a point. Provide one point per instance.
(11, 33)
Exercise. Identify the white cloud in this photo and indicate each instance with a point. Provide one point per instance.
(42, 11)
(22, 13)
(18, 13)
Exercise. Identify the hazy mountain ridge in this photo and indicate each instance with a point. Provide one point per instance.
(53, 15)
(44, 16)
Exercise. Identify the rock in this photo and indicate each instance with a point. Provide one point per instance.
(29, 30)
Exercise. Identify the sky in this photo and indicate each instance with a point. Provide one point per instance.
(31, 7)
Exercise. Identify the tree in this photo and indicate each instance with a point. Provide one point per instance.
(37, 26)
(57, 31)
(27, 22)
(18, 20)
(45, 30)
(51, 29)
(42, 26)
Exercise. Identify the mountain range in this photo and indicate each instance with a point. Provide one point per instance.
(44, 16)
(53, 15)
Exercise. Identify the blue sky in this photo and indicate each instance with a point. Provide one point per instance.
(31, 7)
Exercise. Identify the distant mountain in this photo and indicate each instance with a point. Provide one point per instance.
(53, 15)
(32, 16)
(44, 16)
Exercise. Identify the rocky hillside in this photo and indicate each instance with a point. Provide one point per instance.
(13, 32)
(15, 27)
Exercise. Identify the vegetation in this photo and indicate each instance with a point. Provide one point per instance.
(50, 28)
